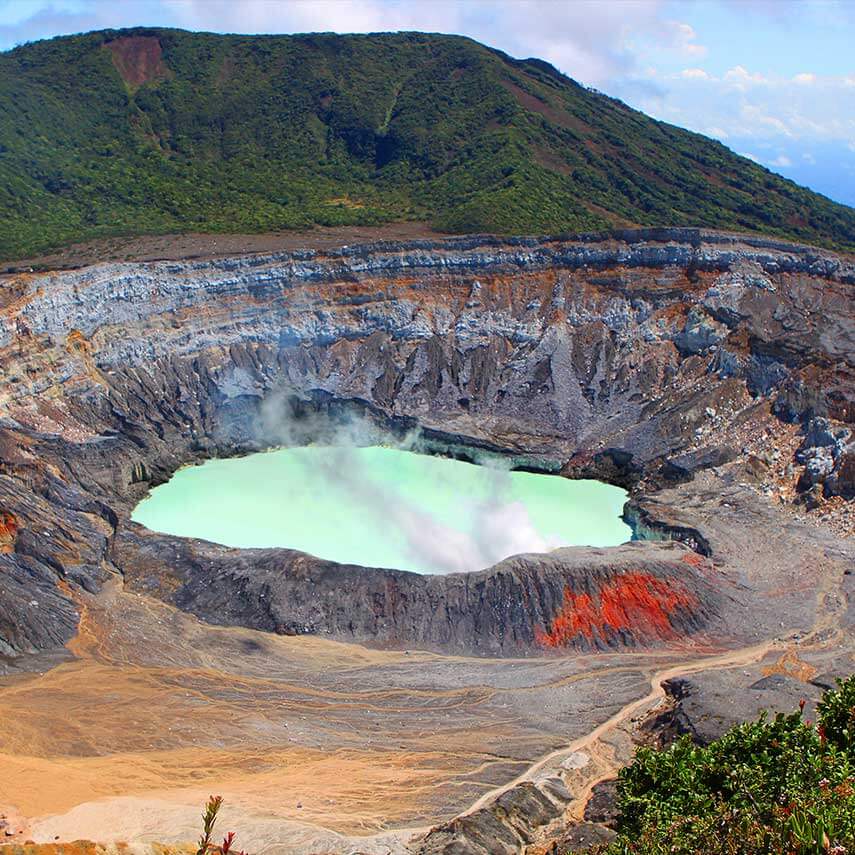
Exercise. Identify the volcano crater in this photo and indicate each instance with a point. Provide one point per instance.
(709, 375)
(639, 358)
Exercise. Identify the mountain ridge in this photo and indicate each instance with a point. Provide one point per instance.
(152, 131)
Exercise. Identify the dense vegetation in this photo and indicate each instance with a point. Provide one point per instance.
(147, 131)
(771, 786)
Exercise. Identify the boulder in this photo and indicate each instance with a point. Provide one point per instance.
(819, 433)
(818, 466)
(579, 837)
(700, 333)
(841, 482)
(602, 807)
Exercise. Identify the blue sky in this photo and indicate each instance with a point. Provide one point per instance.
(772, 79)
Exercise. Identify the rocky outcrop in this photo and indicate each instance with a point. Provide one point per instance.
(502, 827)
(634, 356)
(641, 594)
(828, 455)
(705, 708)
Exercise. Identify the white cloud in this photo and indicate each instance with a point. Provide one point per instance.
(807, 157)
(781, 160)
(749, 156)
(744, 103)
(682, 37)
(695, 74)
(354, 16)
(761, 118)
(741, 78)
(805, 78)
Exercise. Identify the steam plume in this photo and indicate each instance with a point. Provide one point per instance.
(496, 527)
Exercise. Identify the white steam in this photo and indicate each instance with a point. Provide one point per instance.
(493, 528)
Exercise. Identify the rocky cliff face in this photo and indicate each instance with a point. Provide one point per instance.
(581, 599)
(640, 357)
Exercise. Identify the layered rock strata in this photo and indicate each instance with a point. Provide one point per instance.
(639, 357)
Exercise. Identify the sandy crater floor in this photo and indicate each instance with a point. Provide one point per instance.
(306, 739)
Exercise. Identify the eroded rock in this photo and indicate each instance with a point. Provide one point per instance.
(590, 351)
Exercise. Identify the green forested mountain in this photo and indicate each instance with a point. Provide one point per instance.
(150, 130)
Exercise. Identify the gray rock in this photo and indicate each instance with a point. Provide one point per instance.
(602, 806)
(579, 838)
(818, 466)
(129, 371)
(841, 482)
(700, 333)
(820, 433)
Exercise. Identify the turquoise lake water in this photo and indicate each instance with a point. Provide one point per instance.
(383, 507)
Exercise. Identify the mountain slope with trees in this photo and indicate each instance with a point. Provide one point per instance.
(155, 131)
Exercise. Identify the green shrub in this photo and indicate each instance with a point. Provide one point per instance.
(836, 713)
(780, 785)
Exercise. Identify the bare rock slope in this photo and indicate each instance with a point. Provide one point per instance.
(640, 357)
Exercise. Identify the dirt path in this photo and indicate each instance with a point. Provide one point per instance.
(159, 789)
(826, 632)
(744, 656)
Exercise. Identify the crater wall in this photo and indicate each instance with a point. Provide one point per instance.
(639, 357)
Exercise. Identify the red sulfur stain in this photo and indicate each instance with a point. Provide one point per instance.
(693, 559)
(634, 601)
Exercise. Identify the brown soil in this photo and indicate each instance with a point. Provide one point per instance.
(138, 59)
(172, 247)
(536, 105)
(551, 161)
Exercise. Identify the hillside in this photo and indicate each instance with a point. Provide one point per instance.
(153, 131)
